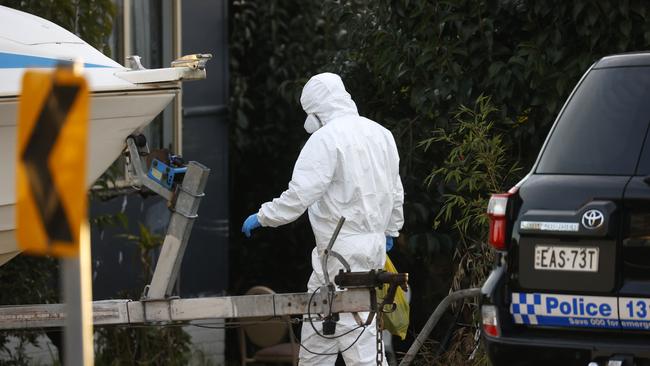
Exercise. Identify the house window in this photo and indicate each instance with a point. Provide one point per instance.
(150, 29)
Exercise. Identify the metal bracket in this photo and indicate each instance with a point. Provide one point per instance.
(185, 210)
(189, 216)
(184, 203)
(372, 280)
(141, 177)
(189, 67)
(328, 251)
(195, 195)
(194, 61)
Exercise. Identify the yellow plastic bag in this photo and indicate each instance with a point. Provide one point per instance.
(396, 322)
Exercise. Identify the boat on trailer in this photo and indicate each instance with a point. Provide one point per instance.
(123, 99)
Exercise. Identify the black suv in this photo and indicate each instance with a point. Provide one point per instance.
(572, 280)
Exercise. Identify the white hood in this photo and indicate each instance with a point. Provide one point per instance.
(325, 96)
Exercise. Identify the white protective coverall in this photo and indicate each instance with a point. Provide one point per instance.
(349, 167)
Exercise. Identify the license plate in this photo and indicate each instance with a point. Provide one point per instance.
(561, 258)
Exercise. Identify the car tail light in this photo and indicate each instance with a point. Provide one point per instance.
(490, 320)
(497, 212)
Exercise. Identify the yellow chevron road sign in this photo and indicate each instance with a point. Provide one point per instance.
(51, 167)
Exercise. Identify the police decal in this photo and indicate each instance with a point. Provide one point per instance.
(565, 310)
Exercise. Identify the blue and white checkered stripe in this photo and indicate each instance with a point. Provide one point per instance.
(526, 307)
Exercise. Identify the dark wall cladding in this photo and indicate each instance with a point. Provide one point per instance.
(116, 265)
(205, 139)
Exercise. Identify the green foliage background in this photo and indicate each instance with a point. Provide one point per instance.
(419, 67)
(424, 69)
(92, 20)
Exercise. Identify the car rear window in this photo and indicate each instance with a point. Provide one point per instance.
(602, 129)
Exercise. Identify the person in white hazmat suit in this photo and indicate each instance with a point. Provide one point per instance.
(349, 167)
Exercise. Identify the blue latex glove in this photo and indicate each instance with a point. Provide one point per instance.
(250, 224)
(389, 243)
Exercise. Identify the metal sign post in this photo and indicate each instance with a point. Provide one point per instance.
(78, 305)
(52, 204)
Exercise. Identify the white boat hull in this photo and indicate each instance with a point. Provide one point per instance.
(123, 100)
(113, 117)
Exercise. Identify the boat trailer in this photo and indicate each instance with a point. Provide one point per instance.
(182, 185)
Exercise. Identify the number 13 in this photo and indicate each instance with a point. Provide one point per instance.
(641, 306)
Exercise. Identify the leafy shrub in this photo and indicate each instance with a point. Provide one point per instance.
(142, 345)
(92, 20)
(478, 164)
